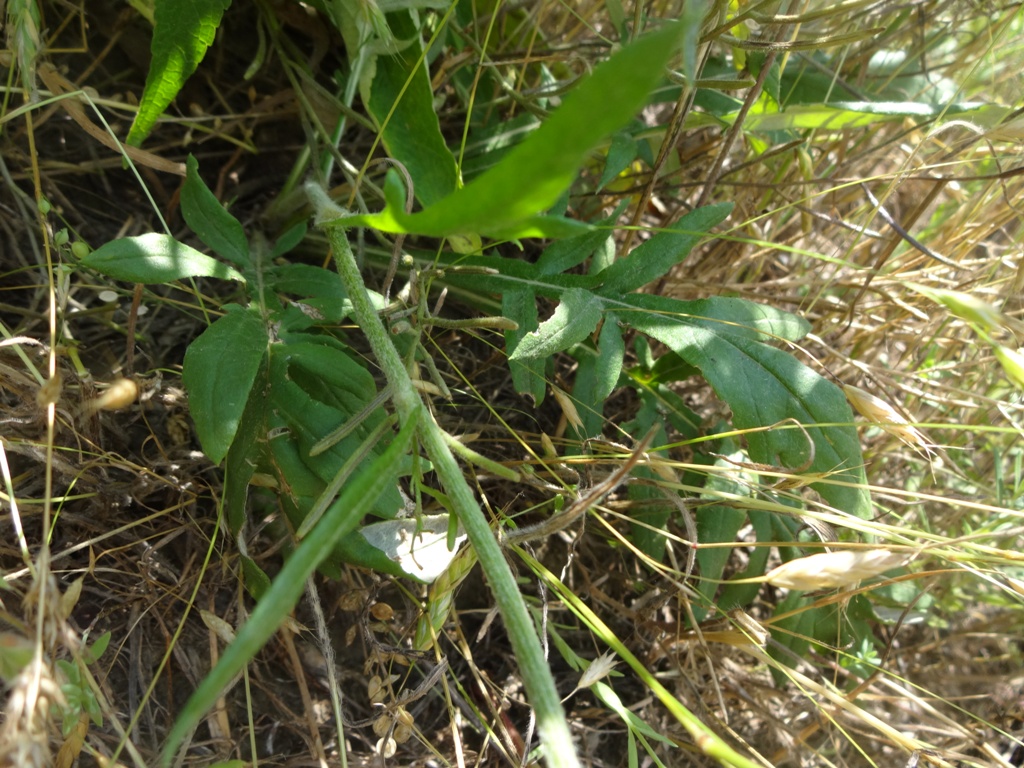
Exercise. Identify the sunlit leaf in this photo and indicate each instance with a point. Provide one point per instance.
(182, 32)
(574, 319)
(505, 201)
(154, 258)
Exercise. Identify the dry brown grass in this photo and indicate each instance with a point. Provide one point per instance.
(128, 507)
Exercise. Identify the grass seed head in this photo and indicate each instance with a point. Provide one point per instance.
(880, 413)
(967, 307)
(834, 569)
(1013, 364)
(599, 668)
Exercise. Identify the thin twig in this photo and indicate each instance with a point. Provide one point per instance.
(888, 219)
(592, 497)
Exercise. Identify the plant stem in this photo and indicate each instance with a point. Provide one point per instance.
(540, 685)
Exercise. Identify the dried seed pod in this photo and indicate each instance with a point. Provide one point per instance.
(382, 725)
(382, 612)
(834, 569)
(403, 726)
(376, 691)
(352, 600)
(568, 408)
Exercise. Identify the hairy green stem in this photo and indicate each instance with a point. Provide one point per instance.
(540, 685)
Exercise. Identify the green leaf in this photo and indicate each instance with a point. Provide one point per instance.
(512, 275)
(183, 30)
(219, 371)
(256, 581)
(92, 654)
(317, 388)
(589, 407)
(16, 651)
(692, 19)
(563, 255)
(653, 258)
(289, 239)
(719, 524)
(327, 373)
(611, 350)
(837, 115)
(733, 595)
(527, 375)
(155, 258)
(210, 221)
(654, 510)
(669, 367)
(765, 386)
(248, 442)
(339, 521)
(574, 319)
(621, 153)
(721, 315)
(401, 101)
(505, 200)
(319, 290)
(755, 63)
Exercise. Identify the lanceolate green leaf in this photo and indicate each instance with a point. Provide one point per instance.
(855, 114)
(533, 175)
(563, 255)
(155, 258)
(720, 315)
(340, 520)
(401, 101)
(611, 349)
(655, 257)
(219, 371)
(574, 320)
(183, 30)
(765, 386)
(207, 218)
(513, 274)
